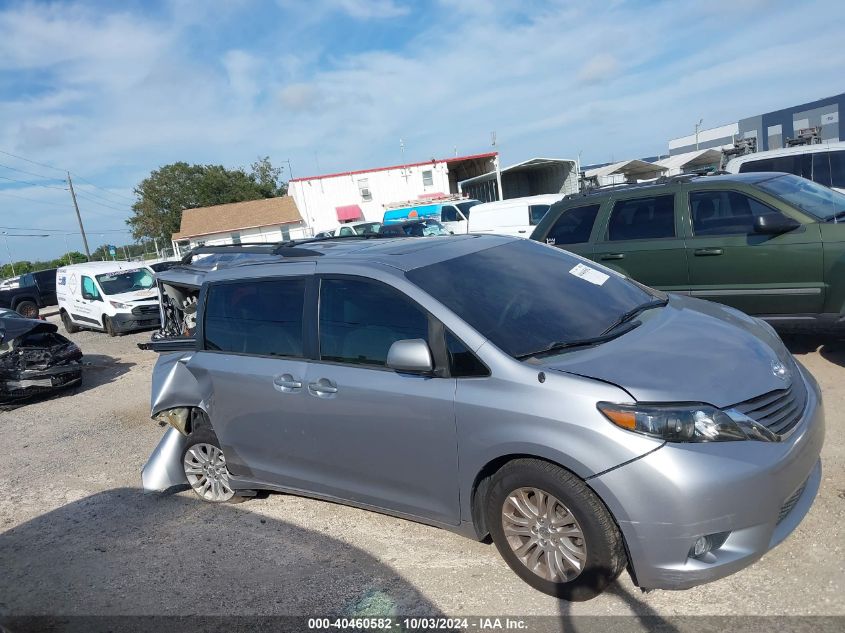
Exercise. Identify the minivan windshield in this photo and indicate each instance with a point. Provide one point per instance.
(527, 297)
(817, 200)
(122, 281)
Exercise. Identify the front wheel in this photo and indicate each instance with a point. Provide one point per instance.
(205, 467)
(28, 309)
(109, 326)
(553, 531)
(70, 326)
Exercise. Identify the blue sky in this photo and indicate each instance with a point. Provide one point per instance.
(113, 90)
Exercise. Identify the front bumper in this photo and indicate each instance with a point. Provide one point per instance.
(751, 494)
(125, 322)
(29, 383)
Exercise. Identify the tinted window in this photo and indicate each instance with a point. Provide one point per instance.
(525, 296)
(642, 219)
(725, 212)
(798, 164)
(466, 206)
(815, 199)
(536, 213)
(573, 226)
(829, 168)
(360, 320)
(462, 362)
(256, 317)
(449, 214)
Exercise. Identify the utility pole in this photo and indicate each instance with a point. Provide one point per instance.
(78, 217)
(497, 166)
(11, 263)
(697, 128)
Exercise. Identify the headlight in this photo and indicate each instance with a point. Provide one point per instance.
(119, 305)
(686, 422)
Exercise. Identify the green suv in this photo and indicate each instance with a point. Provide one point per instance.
(769, 244)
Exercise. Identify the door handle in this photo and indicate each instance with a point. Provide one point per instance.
(608, 256)
(286, 383)
(323, 387)
(707, 252)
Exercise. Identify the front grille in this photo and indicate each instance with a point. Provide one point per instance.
(787, 506)
(780, 410)
(145, 309)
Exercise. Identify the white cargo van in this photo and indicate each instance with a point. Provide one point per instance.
(823, 163)
(516, 216)
(111, 296)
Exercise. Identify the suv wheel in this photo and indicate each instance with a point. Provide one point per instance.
(28, 309)
(205, 467)
(553, 531)
(70, 327)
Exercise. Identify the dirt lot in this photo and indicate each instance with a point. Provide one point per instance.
(77, 536)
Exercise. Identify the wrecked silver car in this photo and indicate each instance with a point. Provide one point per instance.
(35, 359)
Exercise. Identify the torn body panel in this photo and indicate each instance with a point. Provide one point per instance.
(176, 384)
(163, 469)
(35, 360)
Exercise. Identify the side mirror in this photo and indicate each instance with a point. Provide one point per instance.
(774, 224)
(410, 355)
(89, 296)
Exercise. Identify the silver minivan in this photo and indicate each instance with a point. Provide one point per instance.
(492, 386)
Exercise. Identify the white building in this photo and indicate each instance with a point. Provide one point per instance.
(533, 177)
(326, 201)
(265, 220)
(689, 162)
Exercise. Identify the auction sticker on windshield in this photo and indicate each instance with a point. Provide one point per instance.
(589, 274)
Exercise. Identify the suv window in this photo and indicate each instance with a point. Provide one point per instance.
(536, 213)
(360, 320)
(829, 168)
(642, 219)
(256, 317)
(725, 212)
(573, 226)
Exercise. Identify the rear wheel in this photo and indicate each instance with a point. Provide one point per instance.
(109, 326)
(205, 467)
(70, 326)
(28, 309)
(553, 531)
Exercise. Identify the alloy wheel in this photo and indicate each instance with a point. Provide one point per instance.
(544, 534)
(205, 468)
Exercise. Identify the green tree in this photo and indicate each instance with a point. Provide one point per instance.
(166, 192)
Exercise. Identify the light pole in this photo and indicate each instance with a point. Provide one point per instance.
(9, 252)
(697, 127)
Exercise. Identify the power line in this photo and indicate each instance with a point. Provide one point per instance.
(30, 173)
(11, 195)
(34, 184)
(86, 196)
(99, 197)
(31, 161)
(109, 191)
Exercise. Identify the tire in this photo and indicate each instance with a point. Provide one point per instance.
(70, 327)
(28, 309)
(581, 533)
(109, 326)
(202, 460)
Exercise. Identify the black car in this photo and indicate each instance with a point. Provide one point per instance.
(34, 358)
(27, 298)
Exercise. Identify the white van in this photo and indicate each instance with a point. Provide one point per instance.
(517, 216)
(823, 163)
(113, 297)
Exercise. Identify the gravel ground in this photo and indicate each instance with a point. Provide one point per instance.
(77, 536)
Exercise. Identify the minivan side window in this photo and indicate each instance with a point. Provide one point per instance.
(536, 213)
(829, 168)
(261, 317)
(642, 219)
(462, 362)
(359, 321)
(725, 212)
(797, 164)
(573, 226)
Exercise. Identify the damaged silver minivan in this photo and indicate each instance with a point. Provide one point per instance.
(489, 385)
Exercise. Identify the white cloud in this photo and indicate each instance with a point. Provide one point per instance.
(599, 68)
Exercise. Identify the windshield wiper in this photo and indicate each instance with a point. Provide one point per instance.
(584, 342)
(630, 314)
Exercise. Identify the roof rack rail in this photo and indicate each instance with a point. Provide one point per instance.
(660, 180)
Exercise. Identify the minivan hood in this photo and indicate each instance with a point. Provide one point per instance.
(689, 351)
